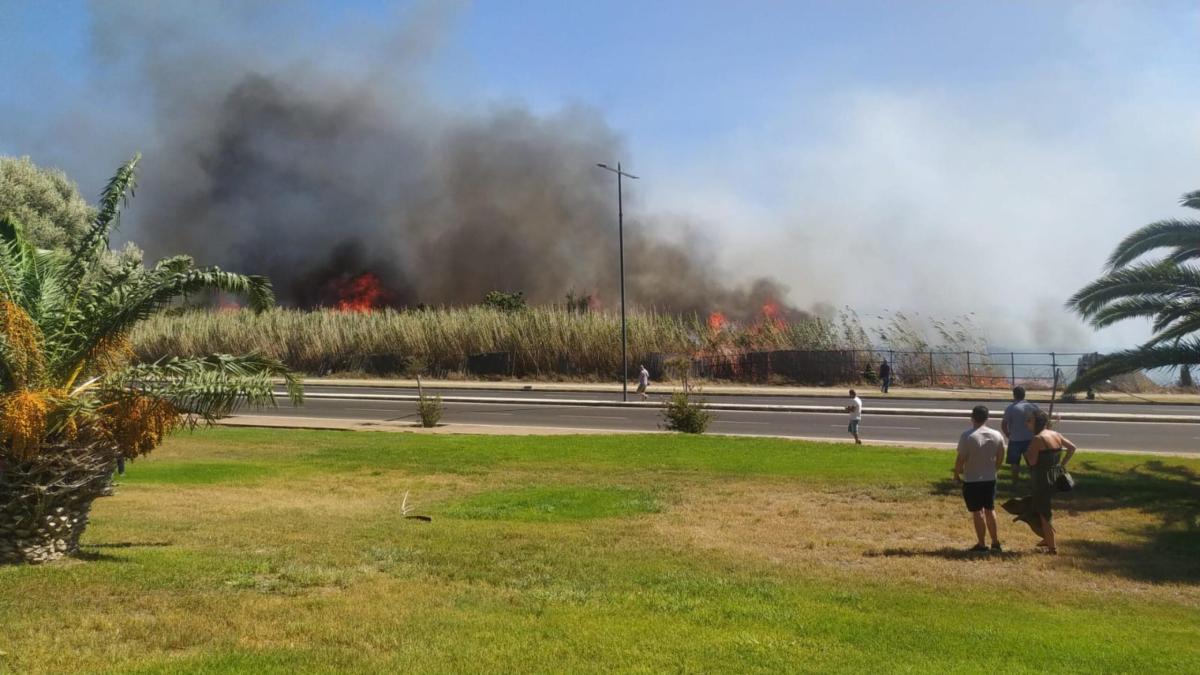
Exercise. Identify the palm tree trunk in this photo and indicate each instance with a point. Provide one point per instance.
(44, 503)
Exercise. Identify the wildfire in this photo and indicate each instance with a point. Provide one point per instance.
(772, 316)
(362, 293)
(716, 321)
(227, 304)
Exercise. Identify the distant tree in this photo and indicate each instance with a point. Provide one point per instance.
(1166, 290)
(48, 204)
(45, 201)
(505, 301)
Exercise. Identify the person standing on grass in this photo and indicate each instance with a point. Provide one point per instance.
(855, 410)
(643, 381)
(885, 376)
(1046, 460)
(1015, 427)
(980, 456)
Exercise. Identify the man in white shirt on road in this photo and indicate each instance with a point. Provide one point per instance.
(855, 410)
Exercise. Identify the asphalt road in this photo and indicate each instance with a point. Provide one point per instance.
(870, 398)
(1155, 437)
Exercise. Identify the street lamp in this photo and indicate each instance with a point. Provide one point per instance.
(621, 246)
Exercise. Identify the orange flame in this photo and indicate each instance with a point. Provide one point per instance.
(772, 316)
(362, 293)
(716, 321)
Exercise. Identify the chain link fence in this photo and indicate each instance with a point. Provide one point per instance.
(934, 369)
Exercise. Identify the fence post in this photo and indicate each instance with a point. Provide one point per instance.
(969, 369)
(932, 380)
(1053, 367)
(1012, 360)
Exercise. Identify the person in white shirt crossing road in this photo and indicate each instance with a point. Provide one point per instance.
(855, 410)
(643, 381)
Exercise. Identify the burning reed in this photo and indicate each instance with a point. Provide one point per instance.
(540, 342)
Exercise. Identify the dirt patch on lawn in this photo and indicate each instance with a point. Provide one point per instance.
(923, 538)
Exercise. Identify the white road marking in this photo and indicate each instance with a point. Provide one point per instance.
(765, 424)
(878, 426)
(594, 417)
(1076, 433)
(495, 413)
(383, 410)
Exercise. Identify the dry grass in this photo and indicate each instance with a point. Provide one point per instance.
(543, 341)
(284, 551)
(906, 536)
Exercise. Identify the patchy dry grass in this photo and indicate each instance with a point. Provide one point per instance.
(913, 537)
(269, 551)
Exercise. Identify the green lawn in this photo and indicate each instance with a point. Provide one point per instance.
(286, 551)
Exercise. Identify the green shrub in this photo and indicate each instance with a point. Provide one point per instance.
(869, 375)
(506, 302)
(686, 412)
(429, 409)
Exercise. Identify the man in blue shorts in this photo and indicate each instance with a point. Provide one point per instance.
(1015, 430)
(980, 455)
(855, 410)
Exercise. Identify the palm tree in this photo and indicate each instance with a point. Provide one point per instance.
(1165, 290)
(72, 403)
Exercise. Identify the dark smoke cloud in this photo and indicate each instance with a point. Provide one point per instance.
(273, 166)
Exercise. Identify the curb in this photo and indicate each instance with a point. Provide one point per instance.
(347, 425)
(754, 407)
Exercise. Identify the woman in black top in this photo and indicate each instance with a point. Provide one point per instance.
(1045, 459)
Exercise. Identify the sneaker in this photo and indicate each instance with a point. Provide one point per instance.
(996, 548)
(980, 548)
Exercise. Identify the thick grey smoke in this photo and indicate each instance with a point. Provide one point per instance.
(273, 167)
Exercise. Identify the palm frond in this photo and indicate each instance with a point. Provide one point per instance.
(209, 387)
(108, 212)
(1191, 200)
(1135, 307)
(1179, 328)
(101, 317)
(1179, 234)
(1147, 357)
(1163, 279)
(16, 259)
(1184, 254)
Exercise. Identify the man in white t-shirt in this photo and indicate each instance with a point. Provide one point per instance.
(855, 410)
(980, 456)
(643, 381)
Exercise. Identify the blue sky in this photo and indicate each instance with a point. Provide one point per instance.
(884, 154)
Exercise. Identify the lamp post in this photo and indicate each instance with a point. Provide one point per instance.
(621, 247)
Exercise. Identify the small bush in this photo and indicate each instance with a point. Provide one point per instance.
(687, 413)
(429, 409)
(505, 302)
(869, 375)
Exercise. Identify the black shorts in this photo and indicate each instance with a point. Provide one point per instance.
(981, 495)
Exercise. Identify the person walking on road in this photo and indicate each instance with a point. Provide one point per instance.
(643, 381)
(885, 376)
(980, 456)
(1015, 427)
(855, 410)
